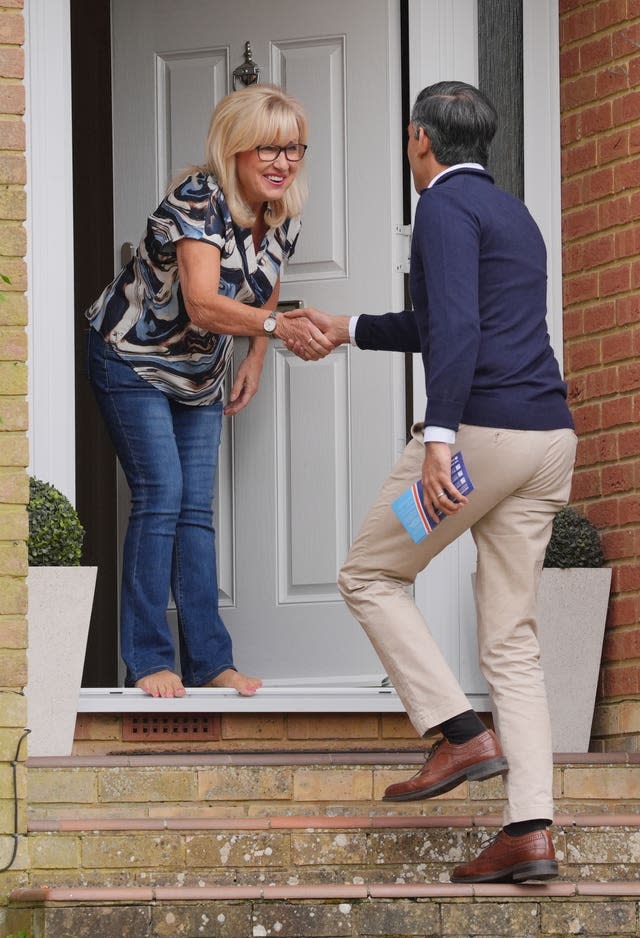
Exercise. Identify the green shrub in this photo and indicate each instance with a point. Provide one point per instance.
(575, 542)
(55, 530)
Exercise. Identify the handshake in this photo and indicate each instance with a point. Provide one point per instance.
(310, 333)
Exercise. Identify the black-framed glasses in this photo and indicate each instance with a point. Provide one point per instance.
(293, 152)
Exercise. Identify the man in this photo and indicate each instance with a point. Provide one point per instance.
(494, 392)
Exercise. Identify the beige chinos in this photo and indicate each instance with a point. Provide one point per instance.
(521, 479)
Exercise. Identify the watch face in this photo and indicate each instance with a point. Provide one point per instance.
(269, 324)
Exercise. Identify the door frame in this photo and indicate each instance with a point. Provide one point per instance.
(448, 50)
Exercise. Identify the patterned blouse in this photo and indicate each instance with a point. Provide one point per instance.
(142, 315)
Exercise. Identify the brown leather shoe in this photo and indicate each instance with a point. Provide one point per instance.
(447, 765)
(511, 860)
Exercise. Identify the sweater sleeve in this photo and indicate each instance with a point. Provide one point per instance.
(391, 332)
(446, 248)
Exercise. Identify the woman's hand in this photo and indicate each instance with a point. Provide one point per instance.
(438, 491)
(246, 382)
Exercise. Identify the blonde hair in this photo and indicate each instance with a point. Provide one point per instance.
(255, 116)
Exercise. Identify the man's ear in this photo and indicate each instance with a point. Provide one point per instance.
(424, 143)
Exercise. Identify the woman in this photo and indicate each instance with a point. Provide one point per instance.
(207, 268)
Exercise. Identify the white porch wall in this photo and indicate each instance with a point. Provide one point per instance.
(541, 76)
(50, 244)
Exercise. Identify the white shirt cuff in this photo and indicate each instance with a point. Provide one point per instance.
(439, 435)
(353, 322)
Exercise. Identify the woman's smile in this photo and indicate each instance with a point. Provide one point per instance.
(276, 179)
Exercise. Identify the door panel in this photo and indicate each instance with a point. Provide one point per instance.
(300, 466)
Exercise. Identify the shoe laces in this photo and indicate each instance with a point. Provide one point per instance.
(433, 750)
(489, 841)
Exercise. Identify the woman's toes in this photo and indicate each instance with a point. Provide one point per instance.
(246, 686)
(162, 684)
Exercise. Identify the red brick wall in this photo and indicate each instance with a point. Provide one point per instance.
(600, 106)
(14, 487)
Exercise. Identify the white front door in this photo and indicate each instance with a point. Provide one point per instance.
(300, 466)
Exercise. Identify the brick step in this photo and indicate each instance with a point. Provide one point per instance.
(354, 911)
(309, 849)
(259, 785)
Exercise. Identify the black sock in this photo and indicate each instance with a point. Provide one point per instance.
(526, 827)
(462, 728)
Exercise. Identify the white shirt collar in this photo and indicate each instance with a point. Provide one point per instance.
(450, 169)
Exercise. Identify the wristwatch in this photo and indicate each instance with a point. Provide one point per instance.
(270, 323)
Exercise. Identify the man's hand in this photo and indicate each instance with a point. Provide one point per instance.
(438, 491)
(302, 336)
(334, 328)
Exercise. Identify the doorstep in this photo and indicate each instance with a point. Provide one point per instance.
(272, 698)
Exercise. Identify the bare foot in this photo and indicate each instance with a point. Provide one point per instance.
(162, 684)
(246, 686)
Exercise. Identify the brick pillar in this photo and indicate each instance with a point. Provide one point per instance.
(14, 487)
(600, 102)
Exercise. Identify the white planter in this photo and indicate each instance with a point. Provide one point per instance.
(60, 602)
(572, 610)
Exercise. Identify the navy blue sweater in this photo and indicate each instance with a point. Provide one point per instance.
(478, 288)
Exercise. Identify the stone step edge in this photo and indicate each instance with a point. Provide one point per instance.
(312, 822)
(138, 894)
(309, 757)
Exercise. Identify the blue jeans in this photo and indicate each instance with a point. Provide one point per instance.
(169, 454)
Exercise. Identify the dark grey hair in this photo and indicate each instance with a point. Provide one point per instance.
(459, 120)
